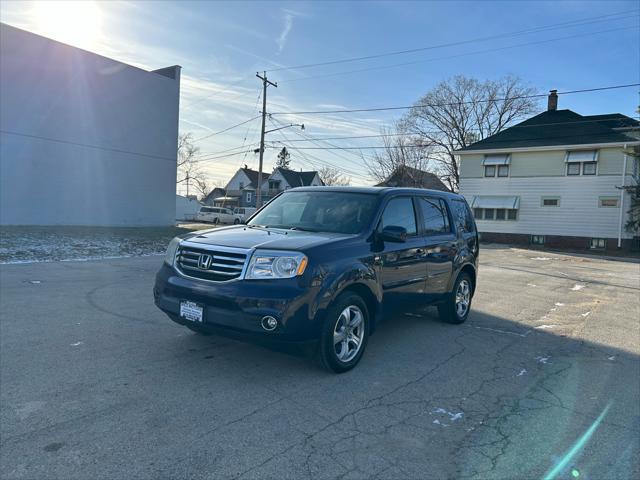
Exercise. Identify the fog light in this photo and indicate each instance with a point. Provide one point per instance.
(269, 323)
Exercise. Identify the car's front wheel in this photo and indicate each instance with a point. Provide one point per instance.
(344, 333)
(236, 221)
(457, 305)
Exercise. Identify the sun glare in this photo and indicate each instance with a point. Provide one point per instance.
(74, 22)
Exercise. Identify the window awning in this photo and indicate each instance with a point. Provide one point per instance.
(581, 156)
(511, 203)
(503, 159)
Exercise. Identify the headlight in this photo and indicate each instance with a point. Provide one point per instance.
(276, 264)
(170, 256)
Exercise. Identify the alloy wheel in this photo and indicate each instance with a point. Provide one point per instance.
(348, 334)
(463, 298)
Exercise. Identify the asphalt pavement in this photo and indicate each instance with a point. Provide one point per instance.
(543, 381)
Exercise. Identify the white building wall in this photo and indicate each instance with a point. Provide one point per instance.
(238, 178)
(578, 214)
(84, 140)
(186, 208)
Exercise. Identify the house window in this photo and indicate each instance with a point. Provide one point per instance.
(241, 185)
(477, 213)
(589, 168)
(489, 213)
(608, 202)
(501, 214)
(489, 170)
(537, 239)
(512, 214)
(582, 162)
(598, 243)
(573, 169)
(495, 214)
(249, 196)
(550, 201)
(503, 171)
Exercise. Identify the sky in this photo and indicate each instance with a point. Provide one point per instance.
(221, 46)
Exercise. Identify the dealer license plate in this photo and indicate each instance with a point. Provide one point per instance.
(191, 311)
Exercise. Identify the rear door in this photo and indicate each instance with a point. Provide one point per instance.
(440, 243)
(403, 265)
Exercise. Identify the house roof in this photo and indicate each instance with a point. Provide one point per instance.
(561, 127)
(297, 179)
(413, 177)
(253, 176)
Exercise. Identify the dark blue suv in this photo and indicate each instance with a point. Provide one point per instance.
(324, 264)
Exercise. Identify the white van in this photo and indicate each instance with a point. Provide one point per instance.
(217, 215)
(244, 212)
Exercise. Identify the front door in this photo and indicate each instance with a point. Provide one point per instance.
(403, 265)
(440, 244)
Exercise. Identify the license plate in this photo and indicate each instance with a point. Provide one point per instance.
(191, 311)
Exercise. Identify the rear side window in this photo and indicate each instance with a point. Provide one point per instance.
(462, 218)
(399, 212)
(434, 215)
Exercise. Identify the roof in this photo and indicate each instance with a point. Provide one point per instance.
(253, 176)
(297, 179)
(412, 177)
(560, 127)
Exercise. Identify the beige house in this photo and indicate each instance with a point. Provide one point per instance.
(554, 180)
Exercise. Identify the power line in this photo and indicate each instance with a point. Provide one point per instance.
(219, 92)
(448, 57)
(405, 134)
(87, 145)
(580, 22)
(379, 147)
(226, 129)
(469, 102)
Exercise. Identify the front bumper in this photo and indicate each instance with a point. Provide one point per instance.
(239, 305)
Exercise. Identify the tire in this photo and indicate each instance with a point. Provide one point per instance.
(236, 221)
(457, 306)
(347, 306)
(215, 221)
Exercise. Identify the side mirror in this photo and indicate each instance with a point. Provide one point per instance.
(394, 233)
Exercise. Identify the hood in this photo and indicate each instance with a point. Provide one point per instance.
(243, 236)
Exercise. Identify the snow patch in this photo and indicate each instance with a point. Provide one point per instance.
(522, 372)
(558, 304)
(577, 287)
(76, 344)
(541, 258)
(531, 285)
(546, 327)
(542, 360)
(585, 314)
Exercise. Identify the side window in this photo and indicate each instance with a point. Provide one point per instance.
(399, 212)
(434, 215)
(462, 218)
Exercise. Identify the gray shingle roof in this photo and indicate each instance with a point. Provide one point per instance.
(560, 127)
(412, 177)
(297, 179)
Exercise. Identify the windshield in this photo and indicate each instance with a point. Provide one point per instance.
(328, 211)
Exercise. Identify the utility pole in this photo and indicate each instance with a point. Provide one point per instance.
(265, 84)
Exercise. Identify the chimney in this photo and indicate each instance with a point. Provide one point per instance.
(552, 103)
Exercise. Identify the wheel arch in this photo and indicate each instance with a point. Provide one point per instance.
(370, 299)
(471, 271)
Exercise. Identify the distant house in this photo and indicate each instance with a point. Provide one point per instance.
(554, 179)
(241, 189)
(405, 176)
(212, 196)
(283, 179)
(186, 208)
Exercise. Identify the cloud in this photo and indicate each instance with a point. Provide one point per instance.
(288, 24)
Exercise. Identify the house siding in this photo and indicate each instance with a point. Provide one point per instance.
(545, 163)
(578, 215)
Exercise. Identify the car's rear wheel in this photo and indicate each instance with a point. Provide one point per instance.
(236, 221)
(456, 307)
(344, 333)
(216, 221)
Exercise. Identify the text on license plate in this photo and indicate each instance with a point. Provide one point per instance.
(191, 311)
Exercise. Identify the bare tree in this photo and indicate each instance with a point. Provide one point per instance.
(461, 111)
(332, 176)
(190, 171)
(400, 151)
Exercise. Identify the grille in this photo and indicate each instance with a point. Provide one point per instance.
(224, 265)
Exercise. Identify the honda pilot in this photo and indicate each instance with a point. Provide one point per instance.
(325, 264)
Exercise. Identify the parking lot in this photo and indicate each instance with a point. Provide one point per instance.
(543, 381)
